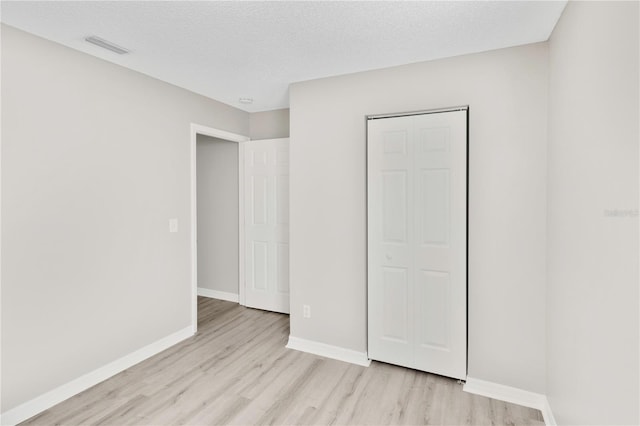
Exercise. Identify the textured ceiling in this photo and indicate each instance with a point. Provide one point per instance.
(231, 49)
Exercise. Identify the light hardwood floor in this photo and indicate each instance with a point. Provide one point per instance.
(236, 370)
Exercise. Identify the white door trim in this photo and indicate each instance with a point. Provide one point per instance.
(195, 130)
(241, 235)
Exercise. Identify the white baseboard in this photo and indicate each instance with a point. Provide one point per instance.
(329, 351)
(215, 294)
(513, 395)
(39, 404)
(547, 414)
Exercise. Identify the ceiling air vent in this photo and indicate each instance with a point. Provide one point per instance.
(105, 44)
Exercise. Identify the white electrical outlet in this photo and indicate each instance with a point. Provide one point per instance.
(306, 311)
(173, 225)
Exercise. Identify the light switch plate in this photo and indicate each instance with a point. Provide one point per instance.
(173, 225)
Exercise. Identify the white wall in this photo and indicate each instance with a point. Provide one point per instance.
(217, 184)
(592, 293)
(507, 94)
(269, 124)
(95, 160)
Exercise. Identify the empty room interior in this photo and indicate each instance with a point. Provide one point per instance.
(320, 212)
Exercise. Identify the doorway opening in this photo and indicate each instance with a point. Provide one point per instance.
(240, 195)
(218, 218)
(216, 154)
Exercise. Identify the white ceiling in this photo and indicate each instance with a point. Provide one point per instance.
(231, 49)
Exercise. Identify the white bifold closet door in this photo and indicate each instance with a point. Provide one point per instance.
(266, 207)
(417, 241)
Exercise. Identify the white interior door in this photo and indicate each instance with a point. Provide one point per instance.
(417, 241)
(266, 206)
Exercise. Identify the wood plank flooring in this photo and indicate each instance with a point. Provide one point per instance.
(236, 370)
